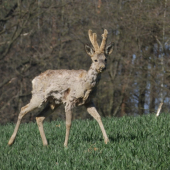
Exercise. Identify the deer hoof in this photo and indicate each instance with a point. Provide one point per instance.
(106, 141)
(11, 141)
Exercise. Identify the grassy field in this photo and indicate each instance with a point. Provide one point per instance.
(135, 143)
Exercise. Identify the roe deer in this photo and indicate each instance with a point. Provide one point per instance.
(69, 87)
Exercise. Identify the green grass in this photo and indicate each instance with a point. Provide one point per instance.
(135, 143)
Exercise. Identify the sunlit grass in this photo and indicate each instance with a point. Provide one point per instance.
(135, 143)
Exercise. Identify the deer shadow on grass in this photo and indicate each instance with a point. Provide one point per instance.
(128, 137)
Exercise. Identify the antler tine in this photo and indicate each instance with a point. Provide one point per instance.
(103, 44)
(93, 39)
(90, 35)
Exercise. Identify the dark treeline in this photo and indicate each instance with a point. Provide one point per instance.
(40, 35)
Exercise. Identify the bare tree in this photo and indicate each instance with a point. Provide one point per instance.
(162, 45)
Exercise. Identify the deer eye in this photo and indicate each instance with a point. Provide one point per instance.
(95, 60)
(105, 60)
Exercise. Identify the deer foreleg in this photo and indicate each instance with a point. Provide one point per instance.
(68, 125)
(93, 112)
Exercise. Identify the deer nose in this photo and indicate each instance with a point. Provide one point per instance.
(103, 67)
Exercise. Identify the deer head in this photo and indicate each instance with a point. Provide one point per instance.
(99, 54)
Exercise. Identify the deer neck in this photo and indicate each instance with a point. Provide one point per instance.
(92, 76)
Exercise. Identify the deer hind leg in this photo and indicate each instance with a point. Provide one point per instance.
(34, 103)
(40, 118)
(68, 123)
(93, 112)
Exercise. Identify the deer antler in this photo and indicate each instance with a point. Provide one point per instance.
(93, 39)
(103, 44)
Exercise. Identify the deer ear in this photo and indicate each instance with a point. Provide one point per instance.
(90, 51)
(109, 49)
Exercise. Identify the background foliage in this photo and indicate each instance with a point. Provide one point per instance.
(40, 35)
